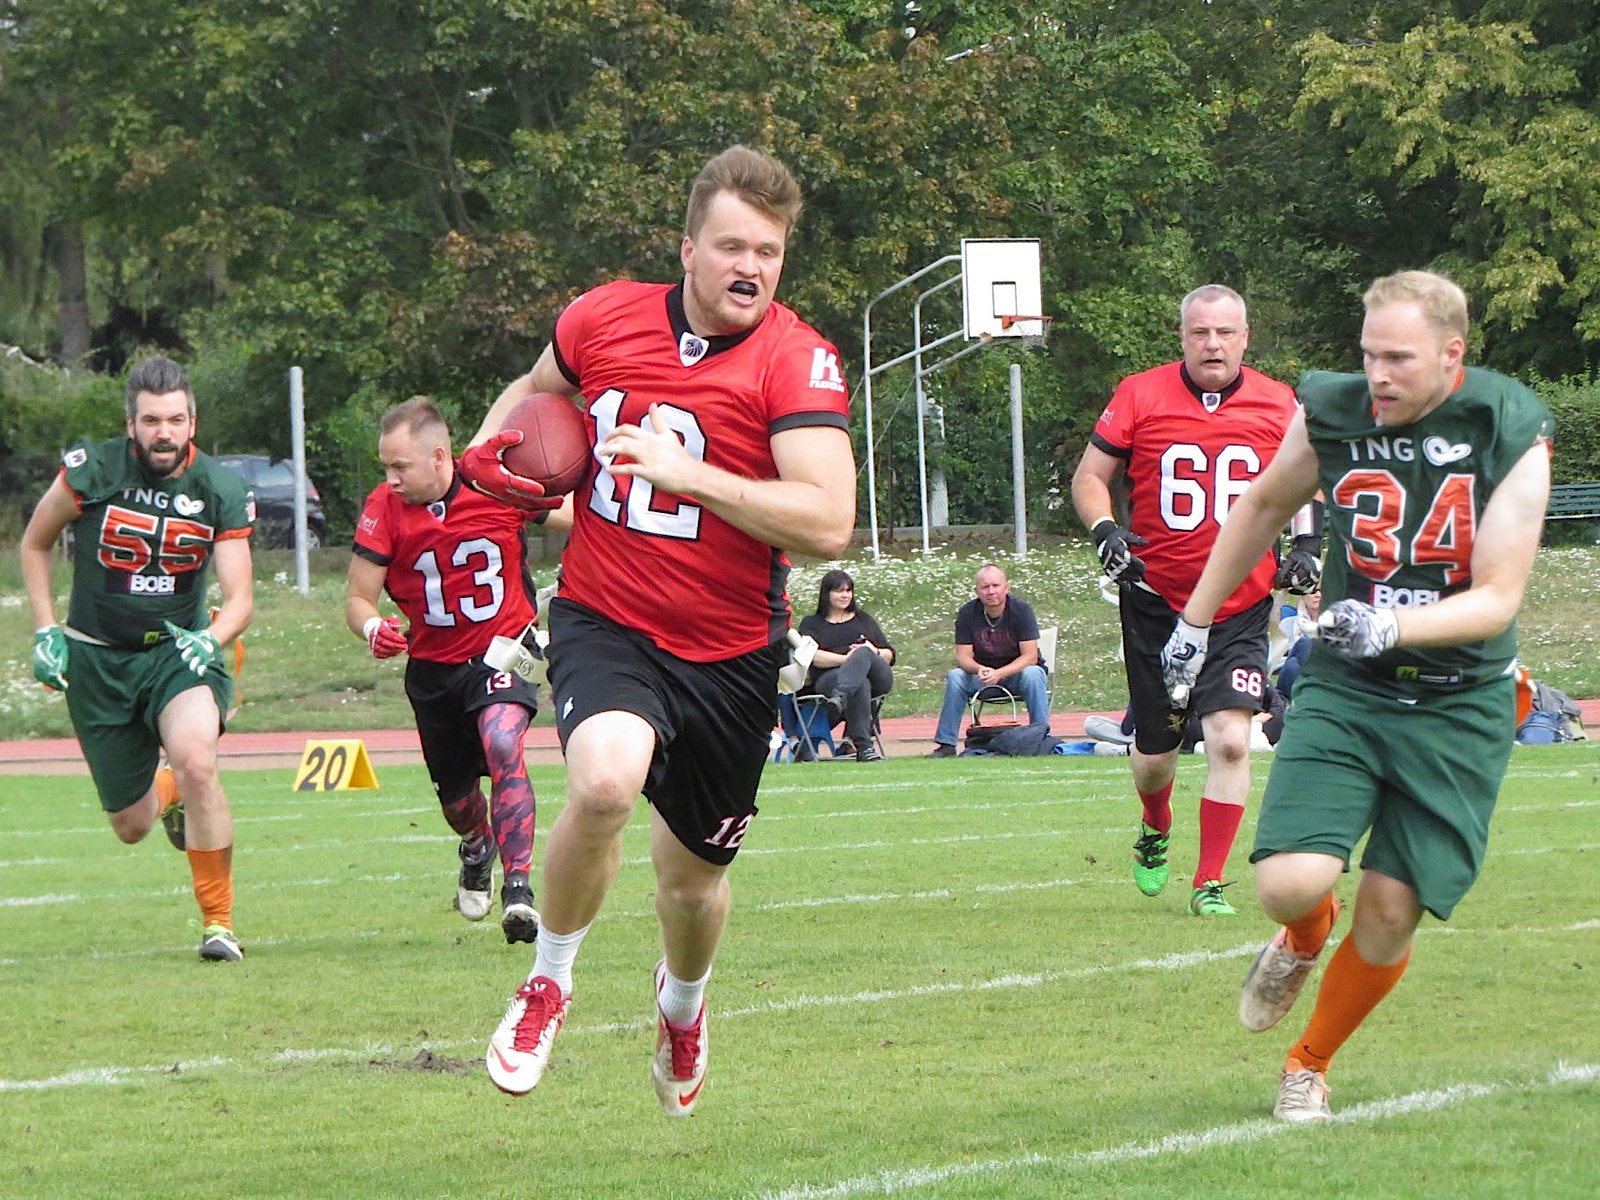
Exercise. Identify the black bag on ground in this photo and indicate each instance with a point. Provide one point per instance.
(1021, 741)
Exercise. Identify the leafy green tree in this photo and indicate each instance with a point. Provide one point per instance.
(1497, 137)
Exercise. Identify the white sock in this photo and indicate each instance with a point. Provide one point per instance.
(553, 955)
(681, 1000)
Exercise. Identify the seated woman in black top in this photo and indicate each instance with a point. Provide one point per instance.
(852, 661)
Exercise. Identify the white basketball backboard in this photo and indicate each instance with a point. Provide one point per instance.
(1000, 278)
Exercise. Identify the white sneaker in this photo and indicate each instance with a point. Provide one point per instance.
(1275, 980)
(679, 1067)
(520, 1047)
(1302, 1096)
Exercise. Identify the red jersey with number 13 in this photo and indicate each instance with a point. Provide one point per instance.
(658, 562)
(1187, 463)
(458, 568)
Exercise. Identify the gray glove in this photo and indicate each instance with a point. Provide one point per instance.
(1358, 630)
(1181, 660)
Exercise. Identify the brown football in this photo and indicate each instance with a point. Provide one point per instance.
(555, 442)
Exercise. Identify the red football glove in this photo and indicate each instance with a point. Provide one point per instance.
(483, 471)
(384, 637)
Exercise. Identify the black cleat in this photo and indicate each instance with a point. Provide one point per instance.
(518, 917)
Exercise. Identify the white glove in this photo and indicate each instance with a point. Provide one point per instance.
(1358, 630)
(1181, 660)
(801, 651)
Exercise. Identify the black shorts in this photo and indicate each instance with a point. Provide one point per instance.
(447, 698)
(712, 720)
(1234, 675)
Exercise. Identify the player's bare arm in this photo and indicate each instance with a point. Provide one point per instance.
(1255, 521)
(965, 659)
(362, 589)
(545, 376)
(54, 512)
(235, 577)
(1502, 558)
(810, 508)
(1091, 485)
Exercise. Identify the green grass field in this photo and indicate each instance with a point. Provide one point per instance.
(938, 982)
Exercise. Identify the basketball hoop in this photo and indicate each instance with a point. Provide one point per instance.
(1030, 331)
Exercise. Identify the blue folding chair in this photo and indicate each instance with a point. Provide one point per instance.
(806, 728)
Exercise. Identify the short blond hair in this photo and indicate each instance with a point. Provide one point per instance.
(420, 417)
(758, 179)
(1442, 302)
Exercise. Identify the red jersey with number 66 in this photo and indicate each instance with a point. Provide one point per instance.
(458, 568)
(657, 562)
(1189, 455)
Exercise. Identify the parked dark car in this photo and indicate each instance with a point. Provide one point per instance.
(272, 484)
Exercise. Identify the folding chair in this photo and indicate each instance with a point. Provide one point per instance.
(806, 729)
(999, 693)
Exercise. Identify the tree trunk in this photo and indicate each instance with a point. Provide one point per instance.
(72, 292)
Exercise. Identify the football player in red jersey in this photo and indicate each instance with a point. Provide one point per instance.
(721, 435)
(1190, 436)
(455, 562)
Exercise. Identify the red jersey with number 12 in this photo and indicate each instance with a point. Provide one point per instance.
(1189, 456)
(661, 563)
(458, 568)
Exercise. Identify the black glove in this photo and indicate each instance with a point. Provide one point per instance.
(1300, 573)
(1114, 546)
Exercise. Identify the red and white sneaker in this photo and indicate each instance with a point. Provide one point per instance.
(520, 1047)
(679, 1067)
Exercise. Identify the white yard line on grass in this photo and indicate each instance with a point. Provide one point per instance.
(899, 1182)
(1167, 962)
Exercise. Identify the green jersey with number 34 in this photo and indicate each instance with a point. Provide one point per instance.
(1403, 506)
(142, 545)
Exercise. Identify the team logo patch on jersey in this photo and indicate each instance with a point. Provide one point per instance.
(185, 507)
(75, 458)
(127, 583)
(1440, 452)
(825, 370)
(1212, 400)
(691, 349)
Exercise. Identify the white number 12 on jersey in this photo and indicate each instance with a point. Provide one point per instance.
(683, 520)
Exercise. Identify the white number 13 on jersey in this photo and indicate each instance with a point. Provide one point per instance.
(681, 521)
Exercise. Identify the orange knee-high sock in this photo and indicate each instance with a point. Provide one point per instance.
(1350, 990)
(1307, 935)
(166, 785)
(213, 884)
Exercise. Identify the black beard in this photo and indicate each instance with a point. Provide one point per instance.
(158, 472)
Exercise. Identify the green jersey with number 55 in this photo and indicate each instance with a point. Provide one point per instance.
(142, 545)
(1403, 506)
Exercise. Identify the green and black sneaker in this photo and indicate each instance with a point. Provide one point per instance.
(1207, 900)
(1150, 860)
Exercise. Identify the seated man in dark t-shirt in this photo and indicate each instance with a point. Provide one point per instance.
(997, 645)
